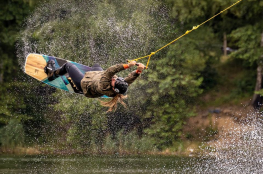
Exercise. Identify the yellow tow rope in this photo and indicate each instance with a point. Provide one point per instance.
(187, 32)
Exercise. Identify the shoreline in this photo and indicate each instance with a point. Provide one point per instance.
(33, 151)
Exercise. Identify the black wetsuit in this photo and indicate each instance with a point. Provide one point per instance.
(74, 73)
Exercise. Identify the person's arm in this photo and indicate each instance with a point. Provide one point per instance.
(133, 75)
(111, 71)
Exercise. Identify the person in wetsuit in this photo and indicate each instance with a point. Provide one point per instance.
(97, 82)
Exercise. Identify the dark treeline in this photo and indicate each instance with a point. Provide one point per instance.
(34, 114)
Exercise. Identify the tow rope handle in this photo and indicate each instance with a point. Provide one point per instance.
(149, 58)
(137, 64)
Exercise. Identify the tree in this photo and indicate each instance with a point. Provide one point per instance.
(173, 84)
(174, 80)
(12, 14)
(12, 135)
(247, 38)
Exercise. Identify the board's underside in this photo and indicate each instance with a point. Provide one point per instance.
(35, 64)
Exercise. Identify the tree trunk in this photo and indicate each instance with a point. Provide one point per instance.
(1, 73)
(257, 99)
(225, 45)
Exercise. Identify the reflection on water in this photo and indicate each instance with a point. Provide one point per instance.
(102, 164)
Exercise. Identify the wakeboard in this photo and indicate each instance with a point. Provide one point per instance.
(35, 64)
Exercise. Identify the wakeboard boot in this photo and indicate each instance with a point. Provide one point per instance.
(50, 70)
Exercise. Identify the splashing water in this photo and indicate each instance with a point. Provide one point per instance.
(92, 31)
(239, 150)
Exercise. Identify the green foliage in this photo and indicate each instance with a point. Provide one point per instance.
(12, 15)
(86, 117)
(173, 85)
(244, 35)
(12, 135)
(129, 143)
(210, 75)
(30, 109)
(170, 91)
(97, 32)
(12, 106)
(105, 32)
(247, 37)
(244, 86)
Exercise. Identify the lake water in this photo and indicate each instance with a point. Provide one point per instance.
(99, 164)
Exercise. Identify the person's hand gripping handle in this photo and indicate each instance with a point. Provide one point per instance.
(132, 63)
(140, 66)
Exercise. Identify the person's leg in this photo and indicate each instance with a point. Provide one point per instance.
(96, 67)
(74, 73)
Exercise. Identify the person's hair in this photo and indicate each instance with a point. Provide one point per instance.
(112, 104)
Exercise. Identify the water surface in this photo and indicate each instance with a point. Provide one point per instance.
(98, 164)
